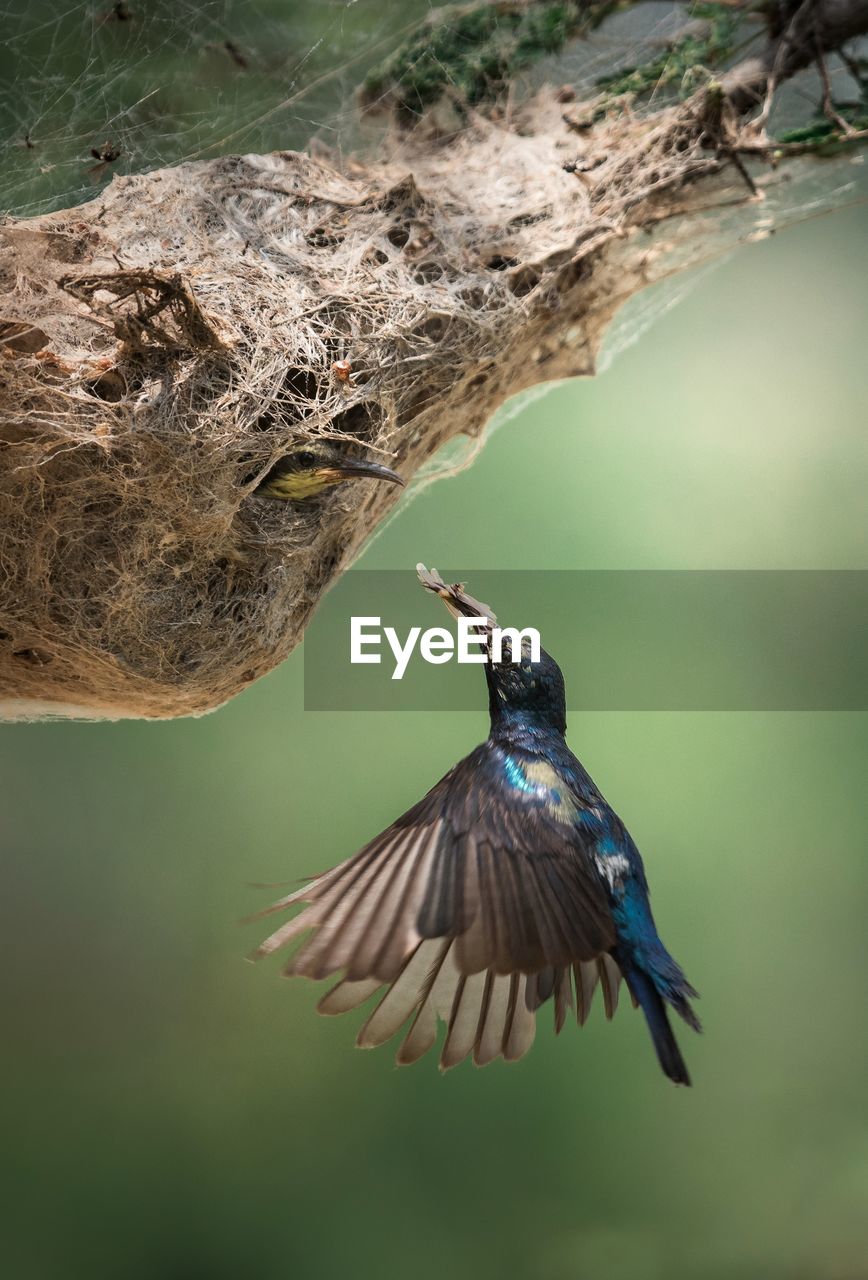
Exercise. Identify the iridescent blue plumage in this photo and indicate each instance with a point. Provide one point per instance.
(527, 702)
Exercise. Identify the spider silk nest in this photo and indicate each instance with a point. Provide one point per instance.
(164, 344)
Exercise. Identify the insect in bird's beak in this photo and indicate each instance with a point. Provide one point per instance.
(453, 595)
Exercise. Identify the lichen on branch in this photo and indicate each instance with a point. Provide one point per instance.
(473, 51)
(703, 43)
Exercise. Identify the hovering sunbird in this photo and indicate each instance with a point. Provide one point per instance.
(510, 884)
(308, 471)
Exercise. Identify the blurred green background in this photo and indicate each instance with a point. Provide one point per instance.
(170, 1111)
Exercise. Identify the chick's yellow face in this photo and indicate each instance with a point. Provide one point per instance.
(296, 485)
(299, 475)
(305, 473)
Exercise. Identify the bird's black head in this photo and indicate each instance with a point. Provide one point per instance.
(526, 693)
(522, 694)
(310, 469)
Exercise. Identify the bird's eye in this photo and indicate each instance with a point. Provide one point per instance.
(306, 458)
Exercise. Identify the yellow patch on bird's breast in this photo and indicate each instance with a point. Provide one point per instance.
(551, 788)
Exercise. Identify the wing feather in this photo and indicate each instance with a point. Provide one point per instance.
(492, 1022)
(586, 975)
(436, 1001)
(519, 1036)
(467, 1012)
(423, 1029)
(563, 997)
(400, 999)
(341, 919)
(384, 919)
(348, 995)
(610, 981)
(476, 907)
(401, 932)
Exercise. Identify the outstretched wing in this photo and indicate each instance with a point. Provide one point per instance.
(476, 905)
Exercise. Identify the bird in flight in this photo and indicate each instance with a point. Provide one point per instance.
(308, 471)
(510, 885)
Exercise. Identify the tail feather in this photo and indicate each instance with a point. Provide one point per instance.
(651, 1003)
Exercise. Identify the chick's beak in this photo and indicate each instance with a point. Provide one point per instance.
(352, 470)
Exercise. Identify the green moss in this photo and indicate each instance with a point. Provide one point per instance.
(475, 51)
(682, 64)
(825, 136)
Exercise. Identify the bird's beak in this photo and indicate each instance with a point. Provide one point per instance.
(352, 470)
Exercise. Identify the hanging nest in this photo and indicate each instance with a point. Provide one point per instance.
(162, 346)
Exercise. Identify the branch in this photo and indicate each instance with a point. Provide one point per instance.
(811, 28)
